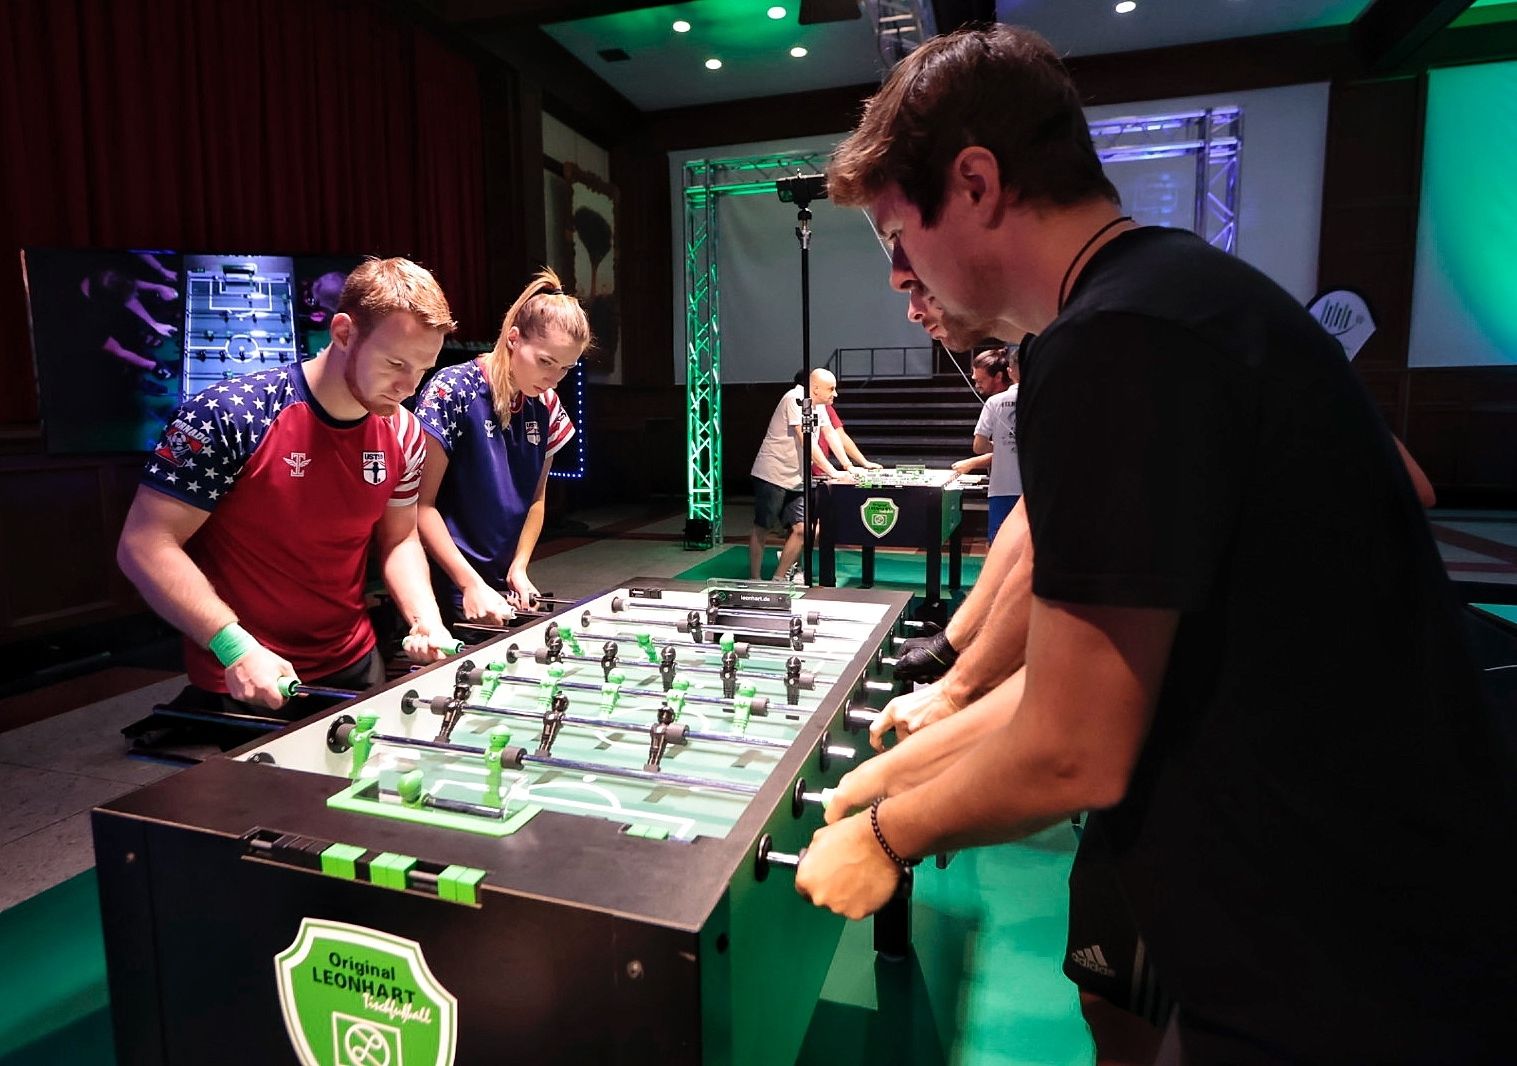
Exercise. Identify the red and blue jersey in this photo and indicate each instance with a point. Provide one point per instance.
(493, 469)
(294, 498)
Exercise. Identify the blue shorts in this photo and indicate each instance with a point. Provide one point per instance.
(1000, 507)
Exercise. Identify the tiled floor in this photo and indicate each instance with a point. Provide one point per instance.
(53, 772)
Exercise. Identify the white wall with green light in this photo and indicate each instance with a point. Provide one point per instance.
(1464, 288)
(1280, 209)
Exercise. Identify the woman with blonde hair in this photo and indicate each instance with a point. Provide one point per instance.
(493, 425)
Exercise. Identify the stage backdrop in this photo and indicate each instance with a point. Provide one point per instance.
(1284, 132)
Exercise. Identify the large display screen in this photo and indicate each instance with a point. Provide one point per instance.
(106, 336)
(1463, 311)
(121, 337)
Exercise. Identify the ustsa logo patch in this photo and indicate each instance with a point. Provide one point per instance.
(374, 469)
(534, 434)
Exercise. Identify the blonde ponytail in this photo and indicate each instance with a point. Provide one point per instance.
(542, 305)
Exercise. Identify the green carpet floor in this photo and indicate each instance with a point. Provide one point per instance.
(52, 984)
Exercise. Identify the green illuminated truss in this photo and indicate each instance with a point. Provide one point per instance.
(706, 182)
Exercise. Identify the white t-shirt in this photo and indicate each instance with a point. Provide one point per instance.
(779, 457)
(998, 423)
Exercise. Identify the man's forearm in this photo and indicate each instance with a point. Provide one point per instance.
(405, 572)
(851, 449)
(1000, 562)
(175, 588)
(1093, 679)
(940, 746)
(999, 647)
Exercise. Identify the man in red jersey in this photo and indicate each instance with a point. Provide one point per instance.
(252, 527)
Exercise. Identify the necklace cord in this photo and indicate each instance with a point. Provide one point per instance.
(1094, 237)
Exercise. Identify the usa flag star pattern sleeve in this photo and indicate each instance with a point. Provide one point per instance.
(443, 402)
(206, 444)
(413, 449)
(560, 428)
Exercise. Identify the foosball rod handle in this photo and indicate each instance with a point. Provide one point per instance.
(293, 686)
(892, 922)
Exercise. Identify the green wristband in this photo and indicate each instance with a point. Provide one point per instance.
(231, 644)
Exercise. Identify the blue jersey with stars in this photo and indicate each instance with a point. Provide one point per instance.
(493, 470)
(294, 498)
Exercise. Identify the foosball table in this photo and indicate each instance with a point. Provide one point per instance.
(560, 846)
(895, 507)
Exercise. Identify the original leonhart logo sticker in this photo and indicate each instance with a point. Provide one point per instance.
(374, 469)
(879, 514)
(353, 996)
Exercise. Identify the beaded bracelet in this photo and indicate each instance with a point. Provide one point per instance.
(874, 823)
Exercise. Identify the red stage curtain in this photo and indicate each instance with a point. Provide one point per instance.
(273, 126)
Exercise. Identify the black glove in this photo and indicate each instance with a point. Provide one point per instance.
(925, 659)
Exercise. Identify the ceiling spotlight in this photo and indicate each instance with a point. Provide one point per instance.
(777, 12)
(681, 26)
(713, 64)
(1127, 5)
(797, 52)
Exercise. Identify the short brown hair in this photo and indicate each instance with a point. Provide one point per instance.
(994, 361)
(1003, 88)
(379, 287)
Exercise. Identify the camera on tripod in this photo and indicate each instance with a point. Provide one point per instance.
(802, 189)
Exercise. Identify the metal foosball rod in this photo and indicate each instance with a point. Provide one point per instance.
(412, 701)
(697, 629)
(892, 922)
(759, 705)
(694, 623)
(665, 661)
(517, 758)
(610, 658)
(810, 618)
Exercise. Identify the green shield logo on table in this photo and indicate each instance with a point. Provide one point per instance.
(879, 514)
(359, 997)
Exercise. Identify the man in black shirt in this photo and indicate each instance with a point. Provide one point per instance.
(1242, 650)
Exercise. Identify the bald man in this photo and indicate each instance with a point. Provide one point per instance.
(777, 474)
(833, 453)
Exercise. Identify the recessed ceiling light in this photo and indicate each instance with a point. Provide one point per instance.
(776, 12)
(681, 26)
(1126, 5)
(797, 52)
(713, 64)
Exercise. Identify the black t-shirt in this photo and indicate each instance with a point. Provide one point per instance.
(1312, 837)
